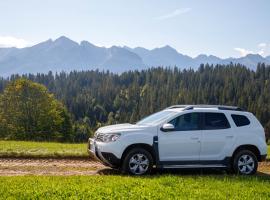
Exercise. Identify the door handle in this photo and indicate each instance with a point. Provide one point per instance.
(194, 138)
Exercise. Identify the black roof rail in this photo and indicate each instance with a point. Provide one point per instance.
(230, 108)
(219, 107)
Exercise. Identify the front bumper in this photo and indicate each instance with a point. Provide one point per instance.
(106, 158)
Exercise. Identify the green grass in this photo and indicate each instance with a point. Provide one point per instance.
(120, 187)
(46, 149)
(41, 149)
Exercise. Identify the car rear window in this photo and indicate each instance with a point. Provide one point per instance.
(240, 120)
(214, 121)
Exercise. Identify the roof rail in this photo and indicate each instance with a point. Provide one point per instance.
(219, 107)
(230, 108)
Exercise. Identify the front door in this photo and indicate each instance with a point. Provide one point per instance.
(184, 142)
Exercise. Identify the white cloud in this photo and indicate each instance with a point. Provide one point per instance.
(174, 13)
(8, 41)
(262, 45)
(261, 52)
(243, 52)
(264, 49)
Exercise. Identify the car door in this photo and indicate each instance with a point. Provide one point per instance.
(183, 142)
(217, 136)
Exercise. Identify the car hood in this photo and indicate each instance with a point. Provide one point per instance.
(122, 128)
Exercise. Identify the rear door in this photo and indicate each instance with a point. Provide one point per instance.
(217, 136)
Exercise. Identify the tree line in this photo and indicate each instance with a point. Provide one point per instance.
(91, 99)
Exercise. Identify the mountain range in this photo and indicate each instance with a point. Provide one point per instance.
(63, 54)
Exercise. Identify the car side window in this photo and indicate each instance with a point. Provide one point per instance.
(186, 122)
(240, 120)
(213, 121)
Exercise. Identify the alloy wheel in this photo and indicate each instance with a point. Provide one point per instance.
(246, 164)
(138, 164)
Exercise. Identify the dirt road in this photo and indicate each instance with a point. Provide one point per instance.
(15, 167)
(12, 167)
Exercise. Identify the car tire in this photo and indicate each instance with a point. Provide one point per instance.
(245, 163)
(137, 161)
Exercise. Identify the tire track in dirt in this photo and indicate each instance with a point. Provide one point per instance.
(67, 167)
(17, 166)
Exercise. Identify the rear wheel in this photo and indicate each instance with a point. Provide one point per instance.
(138, 161)
(245, 163)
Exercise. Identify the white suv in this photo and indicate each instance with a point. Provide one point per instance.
(184, 136)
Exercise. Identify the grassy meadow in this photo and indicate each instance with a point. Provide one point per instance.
(42, 149)
(124, 187)
(46, 149)
(166, 186)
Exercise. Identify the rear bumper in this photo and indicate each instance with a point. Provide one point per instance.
(263, 157)
(106, 158)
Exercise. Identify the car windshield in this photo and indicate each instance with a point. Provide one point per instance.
(156, 117)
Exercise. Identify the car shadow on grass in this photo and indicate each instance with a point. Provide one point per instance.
(187, 172)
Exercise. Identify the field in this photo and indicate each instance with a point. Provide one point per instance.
(25, 149)
(124, 187)
(42, 149)
(33, 170)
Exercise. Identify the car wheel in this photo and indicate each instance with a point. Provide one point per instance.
(138, 162)
(245, 163)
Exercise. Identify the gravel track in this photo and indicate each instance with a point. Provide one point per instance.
(15, 166)
(23, 166)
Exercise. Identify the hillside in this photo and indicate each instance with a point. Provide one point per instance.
(96, 98)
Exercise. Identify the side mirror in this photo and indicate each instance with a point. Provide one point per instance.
(167, 127)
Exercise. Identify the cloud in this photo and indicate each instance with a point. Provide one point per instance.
(173, 14)
(9, 41)
(261, 52)
(243, 52)
(262, 45)
(264, 49)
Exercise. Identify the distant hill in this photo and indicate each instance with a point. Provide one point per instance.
(64, 54)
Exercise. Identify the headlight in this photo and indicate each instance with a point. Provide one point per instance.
(109, 137)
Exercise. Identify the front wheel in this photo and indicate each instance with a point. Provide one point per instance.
(138, 161)
(245, 163)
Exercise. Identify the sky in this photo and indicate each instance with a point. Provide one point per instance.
(225, 28)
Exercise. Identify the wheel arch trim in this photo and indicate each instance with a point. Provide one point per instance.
(145, 146)
(253, 148)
